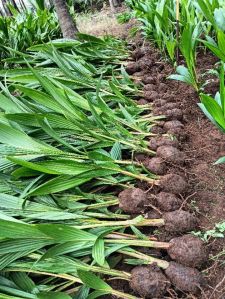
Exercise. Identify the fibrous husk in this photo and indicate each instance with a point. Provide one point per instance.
(180, 221)
(168, 202)
(188, 250)
(173, 183)
(155, 165)
(149, 281)
(132, 200)
(170, 154)
(185, 278)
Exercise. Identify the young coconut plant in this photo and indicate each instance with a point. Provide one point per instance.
(214, 108)
(187, 250)
(73, 240)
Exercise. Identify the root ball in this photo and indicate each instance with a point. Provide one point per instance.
(168, 202)
(149, 80)
(174, 114)
(170, 154)
(151, 95)
(173, 124)
(159, 103)
(156, 142)
(155, 165)
(150, 87)
(142, 102)
(145, 63)
(185, 278)
(132, 201)
(162, 109)
(180, 221)
(149, 281)
(173, 183)
(163, 87)
(140, 157)
(132, 68)
(188, 250)
(139, 53)
(157, 130)
(179, 133)
(170, 106)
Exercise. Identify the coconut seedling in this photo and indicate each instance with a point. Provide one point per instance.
(71, 243)
(189, 250)
(175, 222)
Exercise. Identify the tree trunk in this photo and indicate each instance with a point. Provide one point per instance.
(15, 5)
(22, 5)
(7, 11)
(68, 27)
(114, 4)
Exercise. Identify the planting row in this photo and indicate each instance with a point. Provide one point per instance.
(166, 143)
(185, 31)
(72, 148)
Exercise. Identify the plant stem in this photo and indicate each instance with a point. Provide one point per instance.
(139, 243)
(108, 216)
(140, 177)
(126, 223)
(103, 204)
(77, 280)
(116, 235)
(160, 263)
(124, 295)
(177, 27)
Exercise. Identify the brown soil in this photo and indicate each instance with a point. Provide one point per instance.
(202, 145)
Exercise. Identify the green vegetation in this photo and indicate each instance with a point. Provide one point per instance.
(217, 232)
(188, 27)
(22, 30)
(69, 132)
(69, 129)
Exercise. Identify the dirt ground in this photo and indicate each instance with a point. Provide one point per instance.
(101, 23)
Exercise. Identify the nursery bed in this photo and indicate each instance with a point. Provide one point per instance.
(202, 144)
